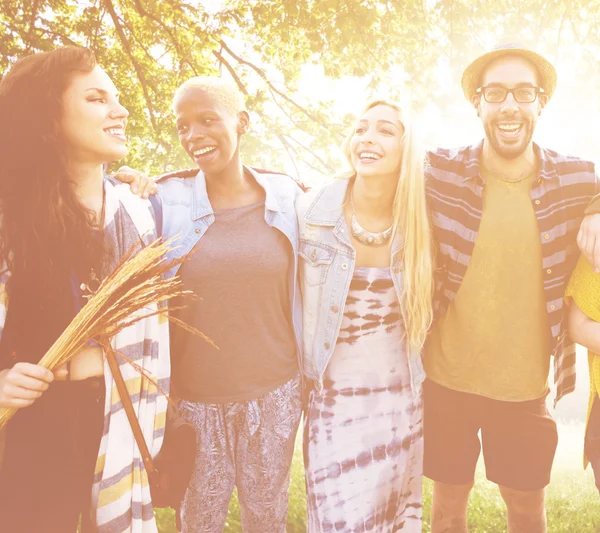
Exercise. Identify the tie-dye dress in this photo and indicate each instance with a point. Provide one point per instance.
(363, 432)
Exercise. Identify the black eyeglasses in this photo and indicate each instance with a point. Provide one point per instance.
(496, 94)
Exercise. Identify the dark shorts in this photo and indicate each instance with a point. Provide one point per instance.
(518, 438)
(50, 458)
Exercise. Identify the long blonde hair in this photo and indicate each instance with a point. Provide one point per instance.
(411, 220)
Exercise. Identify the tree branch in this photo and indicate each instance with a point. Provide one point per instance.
(288, 115)
(135, 38)
(142, 11)
(560, 29)
(287, 148)
(263, 75)
(138, 68)
(64, 39)
(94, 39)
(231, 71)
(139, 7)
(282, 137)
(319, 170)
(30, 32)
(310, 151)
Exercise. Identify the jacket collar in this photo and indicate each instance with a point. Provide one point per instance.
(327, 209)
(328, 206)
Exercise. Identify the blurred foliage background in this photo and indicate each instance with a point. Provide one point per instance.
(306, 65)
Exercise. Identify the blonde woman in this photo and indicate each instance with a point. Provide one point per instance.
(366, 279)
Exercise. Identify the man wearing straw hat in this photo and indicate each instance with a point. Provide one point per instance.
(506, 213)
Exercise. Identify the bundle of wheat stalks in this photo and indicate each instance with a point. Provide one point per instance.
(122, 299)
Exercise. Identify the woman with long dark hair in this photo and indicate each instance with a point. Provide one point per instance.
(69, 451)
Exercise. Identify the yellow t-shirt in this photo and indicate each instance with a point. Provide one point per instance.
(584, 289)
(494, 339)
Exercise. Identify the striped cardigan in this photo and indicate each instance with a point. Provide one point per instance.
(121, 499)
(560, 195)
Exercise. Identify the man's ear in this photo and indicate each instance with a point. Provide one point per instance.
(243, 122)
(476, 100)
(543, 100)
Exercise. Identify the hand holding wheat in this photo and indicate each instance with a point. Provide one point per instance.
(125, 297)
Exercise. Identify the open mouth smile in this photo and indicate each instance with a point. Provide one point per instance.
(510, 130)
(205, 150)
(117, 131)
(368, 157)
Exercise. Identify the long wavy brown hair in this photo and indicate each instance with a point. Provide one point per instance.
(42, 222)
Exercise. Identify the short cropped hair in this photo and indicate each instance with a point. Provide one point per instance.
(223, 91)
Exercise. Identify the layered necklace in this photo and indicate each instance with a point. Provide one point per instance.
(365, 236)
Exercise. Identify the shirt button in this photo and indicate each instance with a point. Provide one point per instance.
(327, 346)
(344, 266)
(537, 202)
(549, 271)
(197, 230)
(334, 308)
(546, 236)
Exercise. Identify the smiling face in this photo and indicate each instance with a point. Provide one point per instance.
(93, 121)
(509, 125)
(208, 131)
(376, 144)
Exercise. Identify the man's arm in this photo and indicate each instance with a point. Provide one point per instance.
(582, 295)
(588, 238)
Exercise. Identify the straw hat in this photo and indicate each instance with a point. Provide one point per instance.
(471, 78)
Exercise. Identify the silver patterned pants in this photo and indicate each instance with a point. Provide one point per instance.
(249, 445)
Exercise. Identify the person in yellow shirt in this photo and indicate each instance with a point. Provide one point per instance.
(584, 328)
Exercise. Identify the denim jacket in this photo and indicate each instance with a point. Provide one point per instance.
(326, 266)
(187, 213)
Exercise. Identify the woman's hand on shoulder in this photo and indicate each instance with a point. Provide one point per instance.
(22, 384)
(139, 183)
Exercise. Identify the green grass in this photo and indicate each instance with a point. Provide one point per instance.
(573, 503)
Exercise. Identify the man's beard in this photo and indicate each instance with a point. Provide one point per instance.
(508, 151)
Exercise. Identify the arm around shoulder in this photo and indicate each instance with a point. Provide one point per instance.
(593, 207)
(583, 295)
(588, 237)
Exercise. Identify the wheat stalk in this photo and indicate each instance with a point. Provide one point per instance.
(123, 298)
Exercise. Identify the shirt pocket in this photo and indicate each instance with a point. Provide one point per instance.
(315, 260)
